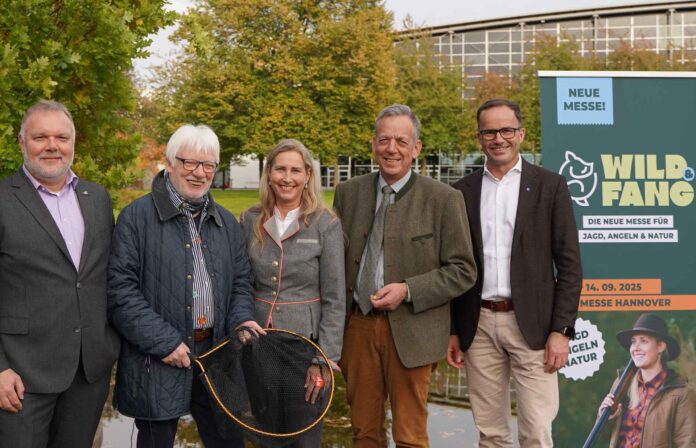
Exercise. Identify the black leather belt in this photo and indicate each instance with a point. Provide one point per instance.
(202, 335)
(497, 305)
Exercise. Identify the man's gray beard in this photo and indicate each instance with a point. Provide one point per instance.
(39, 172)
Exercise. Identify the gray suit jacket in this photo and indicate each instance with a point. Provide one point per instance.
(426, 244)
(545, 269)
(51, 313)
(298, 278)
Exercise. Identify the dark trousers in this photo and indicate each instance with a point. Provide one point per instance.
(310, 439)
(161, 433)
(67, 419)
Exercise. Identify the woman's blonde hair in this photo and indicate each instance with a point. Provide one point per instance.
(311, 202)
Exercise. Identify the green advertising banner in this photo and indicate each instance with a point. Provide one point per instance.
(626, 143)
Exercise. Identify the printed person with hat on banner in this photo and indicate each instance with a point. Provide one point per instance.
(659, 409)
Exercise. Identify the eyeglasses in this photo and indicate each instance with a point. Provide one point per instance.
(192, 165)
(490, 134)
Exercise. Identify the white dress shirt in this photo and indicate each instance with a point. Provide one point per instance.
(283, 223)
(499, 199)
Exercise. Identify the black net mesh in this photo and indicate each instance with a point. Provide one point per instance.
(259, 386)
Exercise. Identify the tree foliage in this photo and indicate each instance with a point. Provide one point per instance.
(78, 52)
(434, 90)
(257, 71)
(548, 54)
(552, 53)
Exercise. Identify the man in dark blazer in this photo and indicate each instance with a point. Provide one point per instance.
(56, 346)
(398, 325)
(517, 320)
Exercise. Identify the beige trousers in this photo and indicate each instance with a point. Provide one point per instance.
(500, 353)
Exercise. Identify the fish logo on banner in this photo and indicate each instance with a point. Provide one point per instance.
(581, 177)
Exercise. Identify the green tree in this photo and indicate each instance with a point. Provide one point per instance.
(78, 52)
(638, 58)
(434, 90)
(257, 71)
(548, 54)
(491, 86)
(551, 53)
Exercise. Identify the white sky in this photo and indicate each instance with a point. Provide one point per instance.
(423, 12)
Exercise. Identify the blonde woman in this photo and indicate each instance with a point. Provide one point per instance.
(660, 408)
(296, 253)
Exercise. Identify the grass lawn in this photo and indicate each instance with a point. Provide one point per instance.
(237, 201)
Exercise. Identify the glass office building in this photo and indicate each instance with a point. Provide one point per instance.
(502, 45)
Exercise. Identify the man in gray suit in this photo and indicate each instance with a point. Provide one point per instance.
(56, 346)
(517, 320)
(409, 254)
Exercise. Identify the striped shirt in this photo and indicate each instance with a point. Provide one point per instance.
(203, 303)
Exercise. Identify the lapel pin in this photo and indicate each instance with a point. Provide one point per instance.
(529, 189)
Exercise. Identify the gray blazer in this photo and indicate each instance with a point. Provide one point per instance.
(426, 244)
(50, 312)
(299, 278)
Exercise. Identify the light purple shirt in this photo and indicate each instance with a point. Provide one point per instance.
(66, 212)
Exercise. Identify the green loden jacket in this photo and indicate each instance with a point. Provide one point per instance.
(427, 244)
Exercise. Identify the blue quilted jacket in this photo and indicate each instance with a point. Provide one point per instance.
(150, 297)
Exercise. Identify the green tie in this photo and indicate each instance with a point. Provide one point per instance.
(366, 285)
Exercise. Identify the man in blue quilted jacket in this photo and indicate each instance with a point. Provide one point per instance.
(179, 281)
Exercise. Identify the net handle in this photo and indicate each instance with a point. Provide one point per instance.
(226, 341)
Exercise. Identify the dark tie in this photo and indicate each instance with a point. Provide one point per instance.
(367, 286)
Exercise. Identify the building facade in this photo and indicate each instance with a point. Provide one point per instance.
(501, 46)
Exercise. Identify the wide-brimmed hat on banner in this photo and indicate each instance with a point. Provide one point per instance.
(653, 325)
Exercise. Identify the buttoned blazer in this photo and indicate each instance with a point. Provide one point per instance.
(50, 312)
(427, 244)
(545, 268)
(299, 278)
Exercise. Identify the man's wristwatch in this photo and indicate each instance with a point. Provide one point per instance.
(568, 332)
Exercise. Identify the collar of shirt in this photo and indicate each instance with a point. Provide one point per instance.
(396, 186)
(284, 223)
(71, 180)
(513, 171)
(654, 383)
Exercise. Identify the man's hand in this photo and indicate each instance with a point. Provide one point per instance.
(555, 352)
(253, 325)
(11, 391)
(180, 357)
(249, 331)
(390, 297)
(454, 354)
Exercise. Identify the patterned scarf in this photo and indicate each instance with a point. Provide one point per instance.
(203, 303)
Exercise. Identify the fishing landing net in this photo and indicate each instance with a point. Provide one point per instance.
(257, 383)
